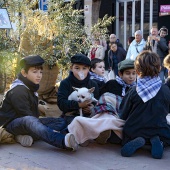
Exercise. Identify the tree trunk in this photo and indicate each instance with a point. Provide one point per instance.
(95, 10)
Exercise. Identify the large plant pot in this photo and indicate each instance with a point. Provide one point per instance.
(48, 80)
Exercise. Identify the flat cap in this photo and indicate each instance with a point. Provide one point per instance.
(81, 59)
(125, 64)
(32, 60)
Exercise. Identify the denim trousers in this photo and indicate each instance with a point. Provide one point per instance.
(39, 128)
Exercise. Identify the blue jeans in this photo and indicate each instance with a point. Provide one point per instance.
(42, 129)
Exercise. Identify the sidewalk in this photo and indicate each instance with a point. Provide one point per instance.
(42, 156)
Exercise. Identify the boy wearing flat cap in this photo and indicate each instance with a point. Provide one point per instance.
(78, 77)
(126, 79)
(19, 109)
(111, 97)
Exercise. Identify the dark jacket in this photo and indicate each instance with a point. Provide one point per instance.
(18, 102)
(66, 88)
(106, 54)
(112, 86)
(99, 83)
(162, 48)
(120, 55)
(145, 119)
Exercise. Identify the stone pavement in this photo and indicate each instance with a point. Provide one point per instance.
(42, 156)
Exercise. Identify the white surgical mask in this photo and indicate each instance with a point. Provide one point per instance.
(81, 75)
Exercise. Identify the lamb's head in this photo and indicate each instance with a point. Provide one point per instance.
(84, 93)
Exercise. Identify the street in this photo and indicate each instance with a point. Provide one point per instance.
(41, 156)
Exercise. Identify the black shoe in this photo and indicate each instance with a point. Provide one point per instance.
(157, 147)
(130, 148)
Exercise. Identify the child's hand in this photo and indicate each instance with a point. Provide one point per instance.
(85, 104)
(87, 110)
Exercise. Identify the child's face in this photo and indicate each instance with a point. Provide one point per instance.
(80, 71)
(100, 69)
(34, 75)
(128, 76)
(163, 34)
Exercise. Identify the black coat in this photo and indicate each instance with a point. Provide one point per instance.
(162, 48)
(145, 119)
(112, 86)
(120, 55)
(18, 102)
(66, 88)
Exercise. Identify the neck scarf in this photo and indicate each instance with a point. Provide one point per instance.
(78, 83)
(97, 77)
(124, 85)
(32, 86)
(148, 87)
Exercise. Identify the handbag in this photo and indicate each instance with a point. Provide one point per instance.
(111, 75)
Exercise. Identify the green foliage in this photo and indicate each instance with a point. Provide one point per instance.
(100, 29)
(60, 31)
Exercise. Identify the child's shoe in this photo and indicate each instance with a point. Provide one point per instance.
(157, 147)
(103, 137)
(70, 142)
(86, 143)
(129, 148)
(24, 140)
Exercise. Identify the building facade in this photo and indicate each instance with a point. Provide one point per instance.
(131, 15)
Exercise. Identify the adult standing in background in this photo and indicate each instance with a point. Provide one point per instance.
(96, 51)
(136, 46)
(112, 39)
(115, 55)
(157, 44)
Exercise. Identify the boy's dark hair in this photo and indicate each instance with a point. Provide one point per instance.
(130, 39)
(94, 61)
(27, 67)
(147, 63)
(122, 71)
(164, 29)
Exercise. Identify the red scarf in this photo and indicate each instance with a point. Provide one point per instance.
(93, 51)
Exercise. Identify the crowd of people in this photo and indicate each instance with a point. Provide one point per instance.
(114, 53)
(131, 109)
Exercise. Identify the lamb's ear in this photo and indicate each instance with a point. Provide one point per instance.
(92, 90)
(76, 89)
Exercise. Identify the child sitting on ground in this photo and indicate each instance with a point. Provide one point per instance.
(79, 77)
(119, 86)
(19, 110)
(97, 72)
(145, 108)
(106, 110)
